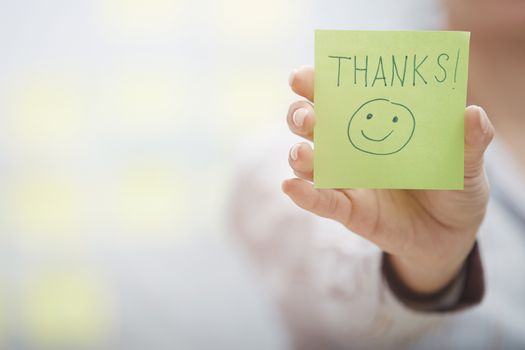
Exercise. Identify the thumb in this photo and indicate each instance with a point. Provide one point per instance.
(479, 132)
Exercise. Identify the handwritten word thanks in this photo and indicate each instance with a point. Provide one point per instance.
(392, 70)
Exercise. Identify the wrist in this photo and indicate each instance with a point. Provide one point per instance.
(426, 276)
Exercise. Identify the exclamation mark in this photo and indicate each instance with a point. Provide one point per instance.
(456, 69)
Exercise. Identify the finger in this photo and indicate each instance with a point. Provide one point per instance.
(301, 119)
(301, 159)
(302, 82)
(304, 176)
(327, 203)
(479, 132)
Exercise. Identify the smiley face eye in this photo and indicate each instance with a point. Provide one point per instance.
(369, 116)
(395, 119)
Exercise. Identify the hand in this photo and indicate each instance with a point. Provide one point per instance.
(427, 234)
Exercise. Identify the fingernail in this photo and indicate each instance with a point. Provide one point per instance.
(295, 151)
(298, 116)
(292, 77)
(483, 120)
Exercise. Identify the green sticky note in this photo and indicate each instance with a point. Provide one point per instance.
(390, 109)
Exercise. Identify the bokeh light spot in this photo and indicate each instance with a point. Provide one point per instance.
(3, 323)
(46, 206)
(46, 113)
(258, 18)
(137, 19)
(66, 309)
(248, 109)
(144, 101)
(150, 198)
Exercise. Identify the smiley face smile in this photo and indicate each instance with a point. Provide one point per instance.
(381, 116)
(376, 140)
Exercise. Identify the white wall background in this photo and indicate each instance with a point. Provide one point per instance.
(120, 121)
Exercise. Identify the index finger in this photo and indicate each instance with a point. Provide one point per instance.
(302, 82)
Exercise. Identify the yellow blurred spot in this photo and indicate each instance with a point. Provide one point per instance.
(46, 112)
(3, 331)
(145, 100)
(46, 206)
(65, 309)
(134, 19)
(258, 18)
(249, 106)
(151, 199)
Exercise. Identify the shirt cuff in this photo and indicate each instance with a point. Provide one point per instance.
(465, 290)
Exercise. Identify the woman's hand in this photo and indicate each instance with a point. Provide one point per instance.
(428, 234)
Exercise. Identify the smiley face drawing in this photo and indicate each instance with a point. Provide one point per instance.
(381, 127)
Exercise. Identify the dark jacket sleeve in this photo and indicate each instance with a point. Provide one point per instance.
(466, 290)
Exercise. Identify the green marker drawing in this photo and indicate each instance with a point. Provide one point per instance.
(381, 127)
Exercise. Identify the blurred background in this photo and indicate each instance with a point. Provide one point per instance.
(122, 124)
